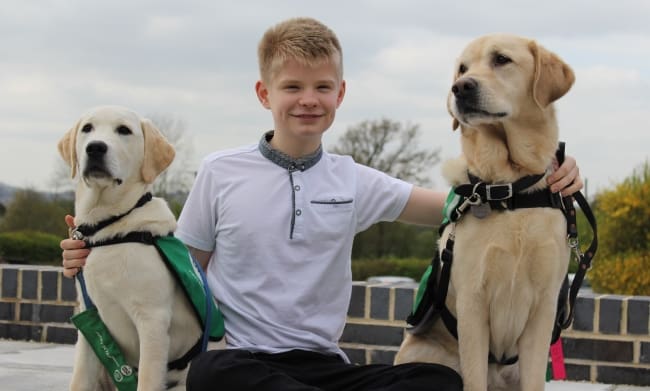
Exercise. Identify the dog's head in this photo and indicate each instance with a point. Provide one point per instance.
(499, 77)
(111, 145)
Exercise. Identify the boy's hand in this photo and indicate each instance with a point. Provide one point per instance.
(566, 178)
(74, 254)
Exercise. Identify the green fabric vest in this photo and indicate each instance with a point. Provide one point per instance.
(179, 260)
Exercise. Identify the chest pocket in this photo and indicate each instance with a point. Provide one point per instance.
(333, 204)
(333, 216)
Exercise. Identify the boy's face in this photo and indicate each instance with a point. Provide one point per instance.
(302, 99)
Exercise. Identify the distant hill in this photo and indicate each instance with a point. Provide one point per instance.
(7, 194)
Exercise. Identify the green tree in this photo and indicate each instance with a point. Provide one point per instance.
(30, 247)
(394, 148)
(32, 211)
(391, 147)
(176, 180)
(622, 264)
(395, 239)
(61, 177)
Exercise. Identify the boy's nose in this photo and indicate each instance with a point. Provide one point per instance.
(308, 99)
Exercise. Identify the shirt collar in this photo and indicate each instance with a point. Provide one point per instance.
(285, 161)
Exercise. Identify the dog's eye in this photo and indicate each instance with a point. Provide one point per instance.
(462, 69)
(500, 59)
(87, 128)
(123, 130)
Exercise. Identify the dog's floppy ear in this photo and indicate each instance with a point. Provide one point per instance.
(553, 77)
(68, 149)
(158, 152)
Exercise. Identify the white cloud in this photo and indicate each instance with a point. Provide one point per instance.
(197, 61)
(163, 27)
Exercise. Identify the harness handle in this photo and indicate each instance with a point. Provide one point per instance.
(584, 259)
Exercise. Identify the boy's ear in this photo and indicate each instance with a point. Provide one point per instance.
(262, 94)
(339, 99)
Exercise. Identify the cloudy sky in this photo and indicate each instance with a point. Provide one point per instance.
(196, 61)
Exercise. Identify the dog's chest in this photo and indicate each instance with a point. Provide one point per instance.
(513, 248)
(124, 272)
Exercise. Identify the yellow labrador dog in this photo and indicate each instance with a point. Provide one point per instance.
(508, 262)
(117, 155)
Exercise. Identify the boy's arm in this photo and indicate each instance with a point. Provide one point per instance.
(424, 207)
(202, 257)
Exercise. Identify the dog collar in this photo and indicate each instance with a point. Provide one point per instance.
(84, 230)
(496, 192)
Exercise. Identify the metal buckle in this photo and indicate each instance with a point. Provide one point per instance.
(498, 189)
(76, 234)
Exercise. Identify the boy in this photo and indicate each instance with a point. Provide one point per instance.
(273, 224)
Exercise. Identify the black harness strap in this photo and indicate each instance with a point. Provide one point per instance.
(508, 196)
(499, 191)
(584, 259)
(89, 230)
(132, 237)
(183, 361)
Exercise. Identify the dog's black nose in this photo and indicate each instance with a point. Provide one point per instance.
(464, 87)
(96, 149)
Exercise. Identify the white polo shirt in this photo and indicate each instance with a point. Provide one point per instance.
(281, 233)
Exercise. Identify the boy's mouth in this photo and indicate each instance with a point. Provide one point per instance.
(307, 115)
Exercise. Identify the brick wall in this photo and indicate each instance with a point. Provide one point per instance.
(609, 341)
(36, 303)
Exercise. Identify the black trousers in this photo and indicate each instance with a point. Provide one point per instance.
(299, 370)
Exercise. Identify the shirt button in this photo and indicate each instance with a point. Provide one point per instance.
(298, 212)
(296, 187)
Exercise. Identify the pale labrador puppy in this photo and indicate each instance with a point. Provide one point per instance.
(508, 266)
(118, 155)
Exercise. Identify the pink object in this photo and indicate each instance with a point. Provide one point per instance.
(557, 361)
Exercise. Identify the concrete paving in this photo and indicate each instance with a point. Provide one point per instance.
(30, 366)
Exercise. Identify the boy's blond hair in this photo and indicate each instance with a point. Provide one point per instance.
(305, 40)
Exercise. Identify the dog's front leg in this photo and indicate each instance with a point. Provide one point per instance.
(533, 346)
(473, 340)
(154, 351)
(87, 370)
